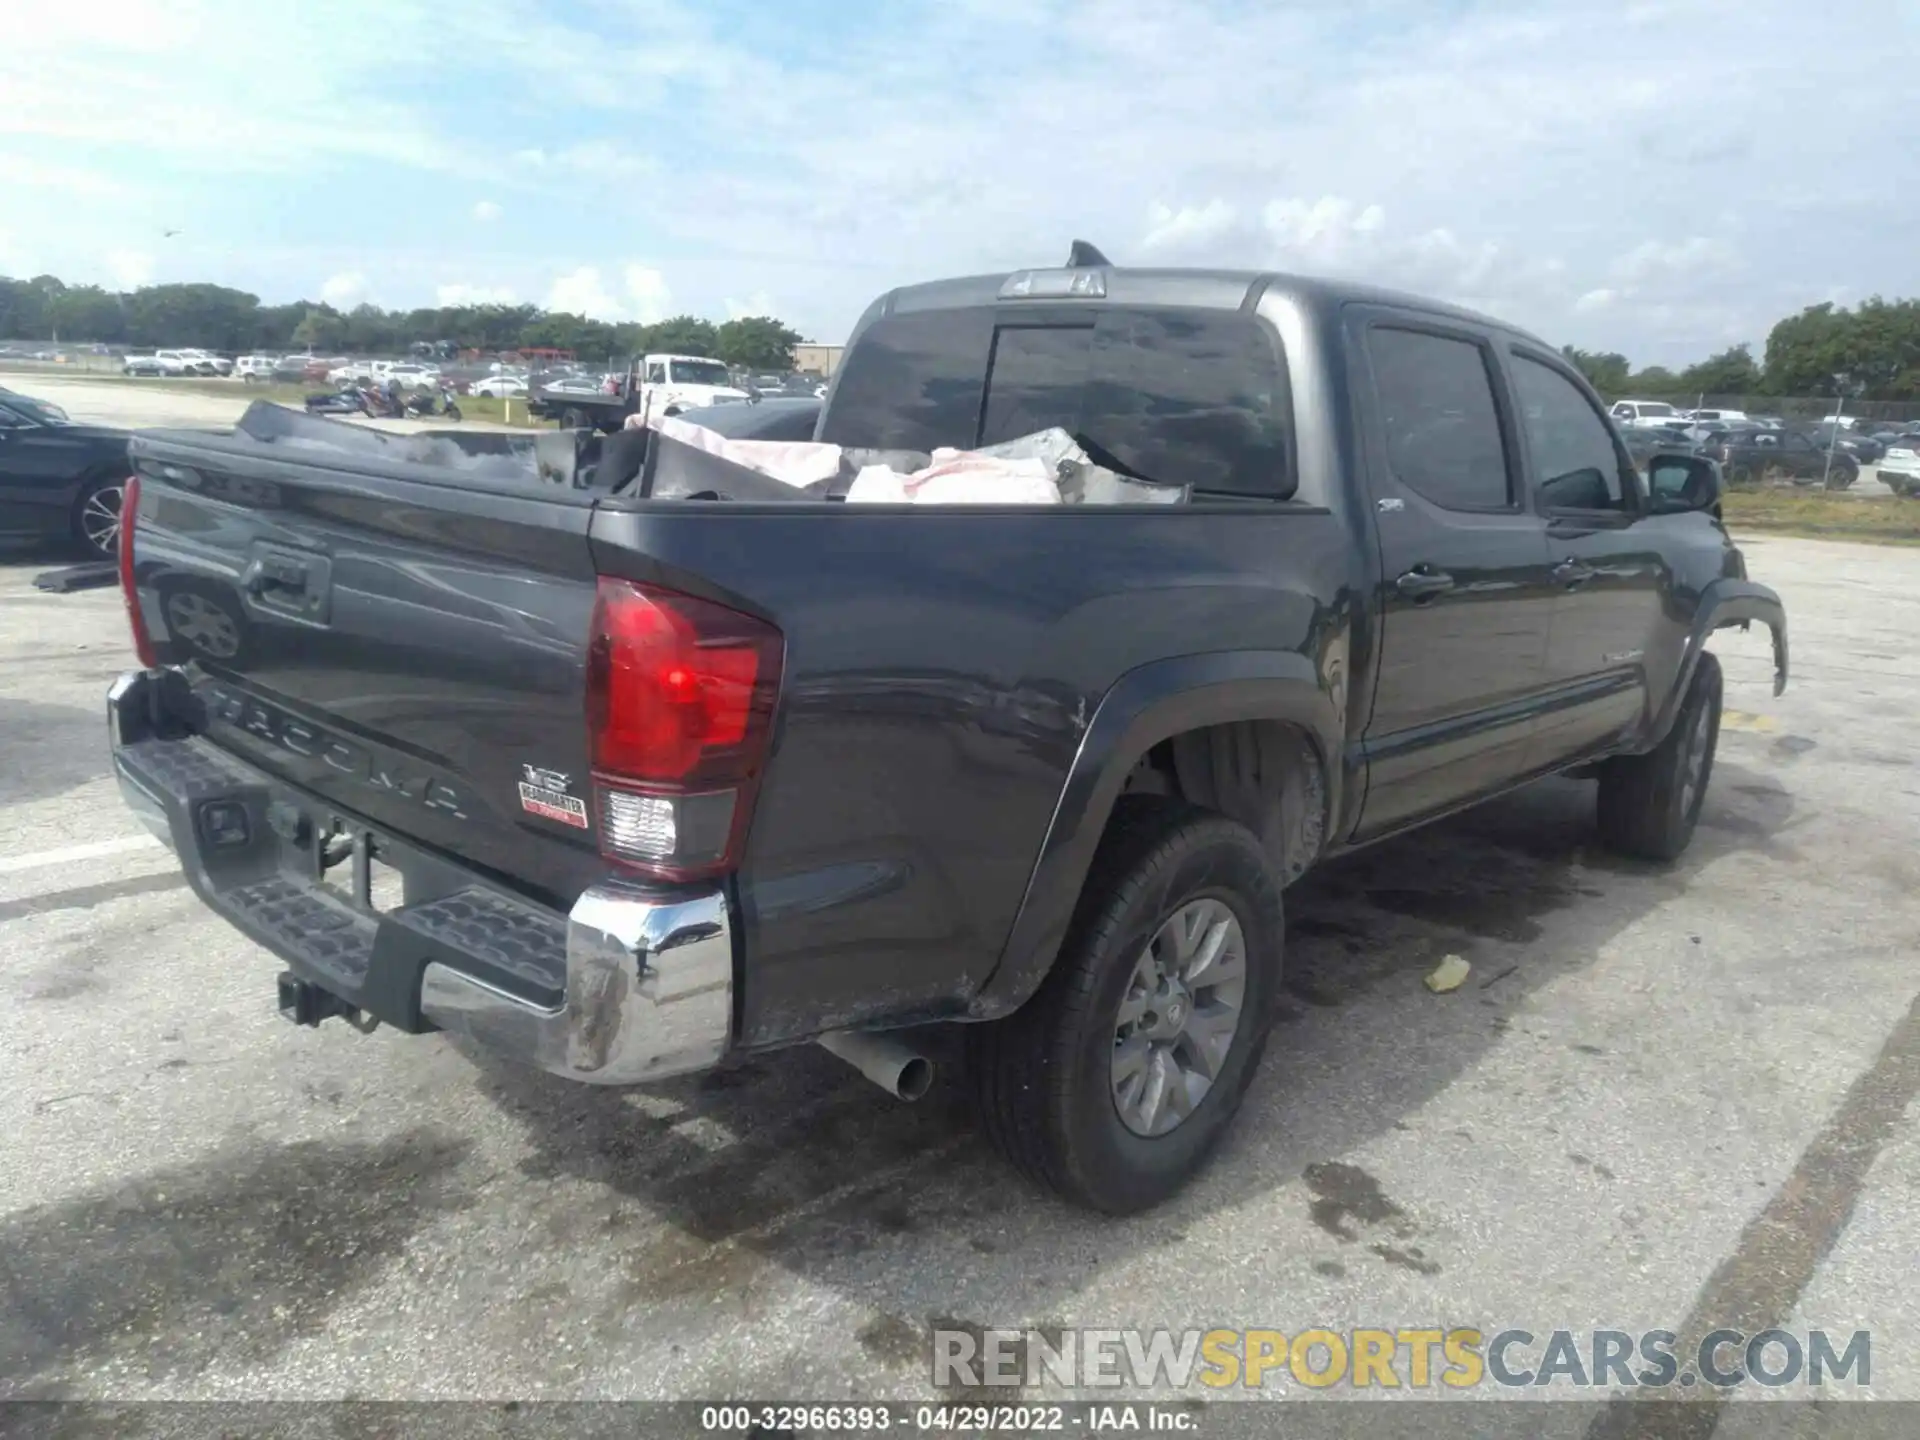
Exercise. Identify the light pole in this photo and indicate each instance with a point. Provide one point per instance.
(1840, 388)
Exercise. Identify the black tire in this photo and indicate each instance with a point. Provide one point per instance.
(1840, 478)
(1043, 1077)
(1646, 808)
(96, 516)
(574, 419)
(1740, 477)
(452, 411)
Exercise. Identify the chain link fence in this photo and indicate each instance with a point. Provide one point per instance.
(1808, 409)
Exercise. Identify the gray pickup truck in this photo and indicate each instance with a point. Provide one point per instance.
(629, 774)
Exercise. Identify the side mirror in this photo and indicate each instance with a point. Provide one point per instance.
(1679, 483)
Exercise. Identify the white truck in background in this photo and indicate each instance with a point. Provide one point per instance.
(654, 385)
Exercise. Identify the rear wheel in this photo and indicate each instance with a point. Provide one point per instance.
(1115, 1081)
(1650, 804)
(96, 516)
(575, 419)
(1841, 477)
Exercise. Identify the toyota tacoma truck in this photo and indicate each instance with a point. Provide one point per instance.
(629, 777)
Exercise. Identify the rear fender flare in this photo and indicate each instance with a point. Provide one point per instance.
(1727, 601)
(1146, 706)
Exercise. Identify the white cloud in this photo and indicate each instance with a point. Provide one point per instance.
(602, 159)
(486, 211)
(1449, 149)
(1654, 259)
(1189, 225)
(647, 289)
(130, 269)
(1332, 230)
(463, 294)
(17, 172)
(344, 290)
(758, 303)
(584, 291)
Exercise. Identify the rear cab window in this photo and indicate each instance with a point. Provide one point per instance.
(1176, 396)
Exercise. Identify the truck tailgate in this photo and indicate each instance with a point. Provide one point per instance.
(405, 640)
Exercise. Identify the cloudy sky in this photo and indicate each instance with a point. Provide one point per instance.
(1661, 177)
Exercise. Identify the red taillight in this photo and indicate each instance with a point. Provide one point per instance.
(142, 642)
(680, 695)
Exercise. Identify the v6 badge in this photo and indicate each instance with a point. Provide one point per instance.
(545, 793)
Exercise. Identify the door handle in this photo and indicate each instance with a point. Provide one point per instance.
(1423, 582)
(1572, 573)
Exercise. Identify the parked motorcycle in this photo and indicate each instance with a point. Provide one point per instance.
(350, 401)
(427, 404)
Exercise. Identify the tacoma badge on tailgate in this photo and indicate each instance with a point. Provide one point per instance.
(258, 721)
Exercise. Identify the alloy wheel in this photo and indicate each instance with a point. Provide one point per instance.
(203, 626)
(100, 518)
(1177, 1021)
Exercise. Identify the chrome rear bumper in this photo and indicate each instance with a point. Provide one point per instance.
(649, 992)
(634, 983)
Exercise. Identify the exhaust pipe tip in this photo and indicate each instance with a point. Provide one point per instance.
(914, 1080)
(896, 1068)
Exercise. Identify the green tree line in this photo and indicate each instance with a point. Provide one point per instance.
(1871, 353)
(214, 317)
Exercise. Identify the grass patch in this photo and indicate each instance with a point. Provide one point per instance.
(1884, 520)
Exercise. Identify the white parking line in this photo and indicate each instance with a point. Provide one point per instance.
(11, 864)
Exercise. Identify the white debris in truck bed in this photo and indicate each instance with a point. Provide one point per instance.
(1045, 468)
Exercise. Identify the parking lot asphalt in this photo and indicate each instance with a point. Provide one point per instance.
(1665, 1098)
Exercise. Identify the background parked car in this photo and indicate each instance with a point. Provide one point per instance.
(255, 367)
(58, 480)
(1864, 450)
(1646, 441)
(1754, 456)
(500, 385)
(204, 362)
(1631, 413)
(1900, 467)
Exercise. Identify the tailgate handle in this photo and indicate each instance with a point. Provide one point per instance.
(275, 572)
(290, 583)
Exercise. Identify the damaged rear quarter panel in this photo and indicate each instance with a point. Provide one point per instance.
(941, 671)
